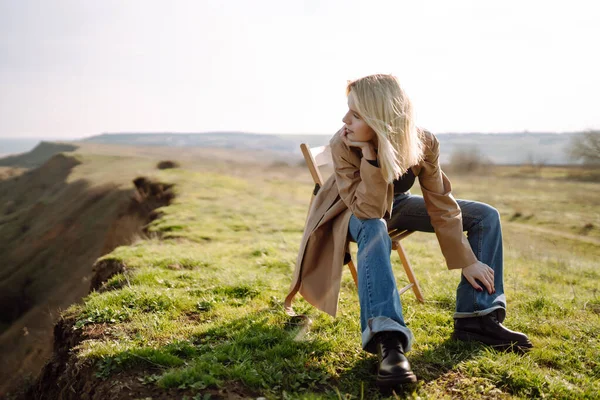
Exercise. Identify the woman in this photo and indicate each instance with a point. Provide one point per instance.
(377, 155)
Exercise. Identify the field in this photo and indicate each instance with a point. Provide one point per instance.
(197, 311)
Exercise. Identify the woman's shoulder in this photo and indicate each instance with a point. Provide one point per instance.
(431, 147)
(430, 141)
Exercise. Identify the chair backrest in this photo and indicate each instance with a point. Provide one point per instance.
(316, 157)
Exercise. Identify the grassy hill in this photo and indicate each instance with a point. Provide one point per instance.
(62, 206)
(194, 309)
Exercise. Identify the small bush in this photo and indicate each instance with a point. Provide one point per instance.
(586, 228)
(167, 164)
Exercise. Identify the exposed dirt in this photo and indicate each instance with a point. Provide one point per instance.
(103, 270)
(559, 234)
(147, 198)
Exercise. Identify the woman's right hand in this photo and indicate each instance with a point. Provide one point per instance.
(481, 272)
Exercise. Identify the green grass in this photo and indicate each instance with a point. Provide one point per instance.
(547, 202)
(199, 306)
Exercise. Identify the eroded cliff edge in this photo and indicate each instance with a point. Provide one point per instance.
(52, 229)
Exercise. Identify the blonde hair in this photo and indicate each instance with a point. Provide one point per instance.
(386, 108)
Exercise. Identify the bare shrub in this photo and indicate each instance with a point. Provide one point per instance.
(586, 148)
(468, 160)
(533, 165)
(279, 164)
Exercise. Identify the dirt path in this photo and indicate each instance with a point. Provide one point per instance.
(555, 232)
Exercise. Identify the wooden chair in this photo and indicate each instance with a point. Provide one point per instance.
(318, 156)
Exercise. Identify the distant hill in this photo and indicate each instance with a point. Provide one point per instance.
(16, 145)
(511, 148)
(500, 148)
(229, 140)
(12, 146)
(36, 157)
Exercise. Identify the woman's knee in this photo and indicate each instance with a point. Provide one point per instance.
(374, 223)
(374, 228)
(489, 214)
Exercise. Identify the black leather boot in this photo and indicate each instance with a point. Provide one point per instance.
(394, 368)
(487, 329)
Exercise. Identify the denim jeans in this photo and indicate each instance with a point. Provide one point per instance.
(380, 305)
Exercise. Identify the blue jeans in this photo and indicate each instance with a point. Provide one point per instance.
(380, 305)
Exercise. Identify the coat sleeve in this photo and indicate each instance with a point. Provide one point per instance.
(443, 210)
(362, 187)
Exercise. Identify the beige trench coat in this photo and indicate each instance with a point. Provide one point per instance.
(357, 187)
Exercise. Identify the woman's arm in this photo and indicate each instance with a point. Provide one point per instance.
(446, 218)
(443, 210)
(360, 184)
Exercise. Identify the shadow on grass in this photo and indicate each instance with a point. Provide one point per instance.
(265, 352)
(428, 365)
(432, 363)
(256, 353)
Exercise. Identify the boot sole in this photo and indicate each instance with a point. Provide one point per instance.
(497, 344)
(392, 381)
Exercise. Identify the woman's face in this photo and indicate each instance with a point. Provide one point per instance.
(356, 128)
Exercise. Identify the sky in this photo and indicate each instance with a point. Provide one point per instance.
(72, 68)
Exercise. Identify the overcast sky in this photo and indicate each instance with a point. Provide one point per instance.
(80, 68)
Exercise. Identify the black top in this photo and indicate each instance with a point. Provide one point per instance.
(402, 184)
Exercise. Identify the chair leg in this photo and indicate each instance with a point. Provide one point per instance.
(409, 272)
(353, 272)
